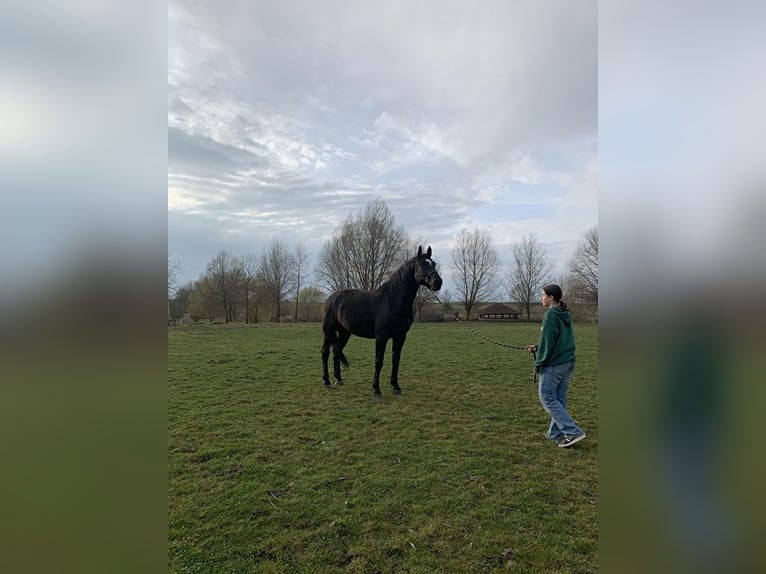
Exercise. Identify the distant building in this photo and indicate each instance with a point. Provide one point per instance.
(498, 312)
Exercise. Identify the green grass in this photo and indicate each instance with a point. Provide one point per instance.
(269, 471)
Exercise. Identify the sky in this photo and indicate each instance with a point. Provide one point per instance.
(285, 117)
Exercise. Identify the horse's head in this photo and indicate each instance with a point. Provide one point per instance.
(425, 270)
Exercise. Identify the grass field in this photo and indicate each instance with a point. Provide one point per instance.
(269, 471)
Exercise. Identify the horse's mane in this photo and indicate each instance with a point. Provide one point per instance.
(398, 278)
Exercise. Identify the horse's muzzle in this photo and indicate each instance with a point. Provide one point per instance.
(435, 283)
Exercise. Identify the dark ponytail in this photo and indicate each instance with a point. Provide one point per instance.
(554, 291)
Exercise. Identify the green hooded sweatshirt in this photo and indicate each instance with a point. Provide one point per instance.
(557, 342)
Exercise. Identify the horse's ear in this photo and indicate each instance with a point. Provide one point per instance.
(420, 250)
(428, 253)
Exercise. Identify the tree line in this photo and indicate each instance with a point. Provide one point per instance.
(476, 272)
(249, 288)
(361, 254)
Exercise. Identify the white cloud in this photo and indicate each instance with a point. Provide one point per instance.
(284, 119)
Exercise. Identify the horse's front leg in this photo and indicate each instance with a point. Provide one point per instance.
(380, 353)
(396, 354)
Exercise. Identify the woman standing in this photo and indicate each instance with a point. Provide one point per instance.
(555, 361)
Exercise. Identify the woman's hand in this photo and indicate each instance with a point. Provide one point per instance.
(531, 348)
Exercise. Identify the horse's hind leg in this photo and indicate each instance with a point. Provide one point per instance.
(338, 356)
(326, 345)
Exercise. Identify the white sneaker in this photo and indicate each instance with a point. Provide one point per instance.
(570, 440)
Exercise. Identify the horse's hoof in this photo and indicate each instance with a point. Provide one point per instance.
(397, 391)
(327, 385)
(339, 382)
(377, 396)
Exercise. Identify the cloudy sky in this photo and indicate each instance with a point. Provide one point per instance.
(286, 116)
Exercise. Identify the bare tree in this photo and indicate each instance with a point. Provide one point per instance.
(584, 267)
(261, 297)
(574, 296)
(531, 271)
(223, 281)
(301, 265)
(277, 270)
(334, 269)
(312, 298)
(363, 251)
(179, 303)
(174, 269)
(249, 266)
(446, 300)
(476, 262)
(201, 302)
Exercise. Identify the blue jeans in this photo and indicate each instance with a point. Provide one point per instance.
(554, 384)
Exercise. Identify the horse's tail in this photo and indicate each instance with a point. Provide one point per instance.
(332, 344)
(341, 357)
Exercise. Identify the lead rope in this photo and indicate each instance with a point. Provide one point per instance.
(475, 332)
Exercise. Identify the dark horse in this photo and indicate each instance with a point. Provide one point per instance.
(383, 314)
